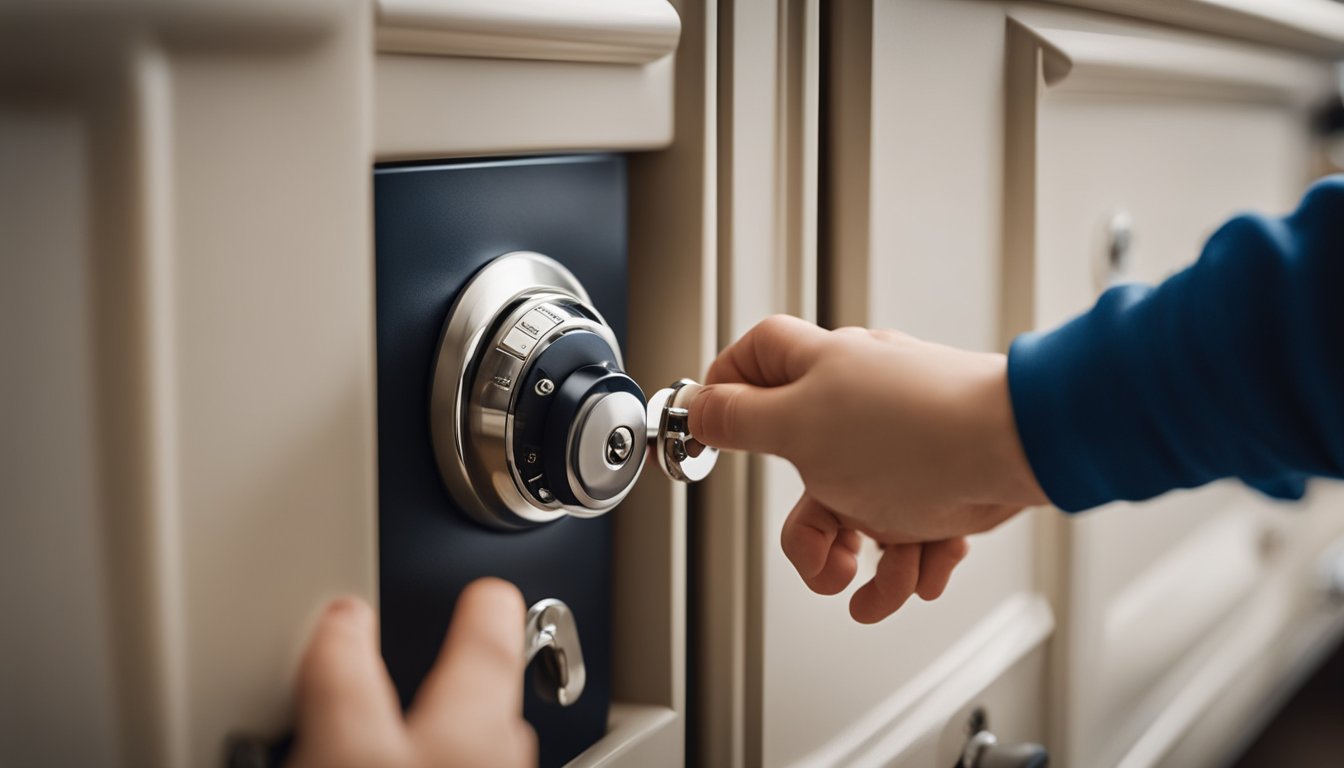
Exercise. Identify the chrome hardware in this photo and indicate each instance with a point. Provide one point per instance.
(532, 415)
(552, 633)
(983, 750)
(594, 478)
(506, 316)
(252, 751)
(680, 455)
(1330, 567)
(1116, 257)
(619, 444)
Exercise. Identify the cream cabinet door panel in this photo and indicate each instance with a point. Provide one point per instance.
(1122, 135)
(973, 157)
(911, 243)
(830, 686)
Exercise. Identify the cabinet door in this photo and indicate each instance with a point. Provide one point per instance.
(817, 687)
(973, 158)
(436, 225)
(1125, 151)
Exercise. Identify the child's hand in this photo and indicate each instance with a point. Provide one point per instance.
(468, 712)
(910, 443)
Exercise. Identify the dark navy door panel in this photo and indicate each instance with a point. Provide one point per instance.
(435, 225)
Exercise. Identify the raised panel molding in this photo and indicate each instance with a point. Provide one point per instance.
(1098, 62)
(898, 727)
(604, 31)
(1316, 26)
(234, 448)
(1045, 59)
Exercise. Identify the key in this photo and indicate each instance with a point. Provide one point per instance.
(680, 455)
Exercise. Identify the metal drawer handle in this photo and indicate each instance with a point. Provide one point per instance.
(984, 750)
(552, 633)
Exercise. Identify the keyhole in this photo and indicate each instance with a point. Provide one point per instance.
(551, 675)
(619, 445)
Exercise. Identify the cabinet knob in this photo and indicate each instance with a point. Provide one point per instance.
(1113, 263)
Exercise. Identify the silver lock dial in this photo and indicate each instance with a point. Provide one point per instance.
(533, 417)
(513, 310)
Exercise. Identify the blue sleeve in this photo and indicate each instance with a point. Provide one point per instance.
(1232, 368)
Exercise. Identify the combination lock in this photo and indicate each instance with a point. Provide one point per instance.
(532, 414)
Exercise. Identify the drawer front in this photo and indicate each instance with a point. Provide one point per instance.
(1127, 152)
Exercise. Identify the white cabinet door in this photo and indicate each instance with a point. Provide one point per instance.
(971, 157)
(1155, 139)
(817, 687)
(780, 675)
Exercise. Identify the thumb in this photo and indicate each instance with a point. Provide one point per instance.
(741, 417)
(347, 706)
(480, 668)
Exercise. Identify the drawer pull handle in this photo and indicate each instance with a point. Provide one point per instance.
(983, 749)
(553, 635)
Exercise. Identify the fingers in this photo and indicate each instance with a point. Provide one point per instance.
(893, 583)
(480, 669)
(904, 570)
(774, 352)
(468, 711)
(742, 417)
(745, 405)
(936, 563)
(347, 706)
(824, 552)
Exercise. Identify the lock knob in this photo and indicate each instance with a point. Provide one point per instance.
(594, 409)
(516, 335)
(532, 414)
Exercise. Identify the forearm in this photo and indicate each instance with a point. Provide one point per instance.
(1232, 368)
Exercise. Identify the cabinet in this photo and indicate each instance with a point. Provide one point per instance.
(203, 408)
